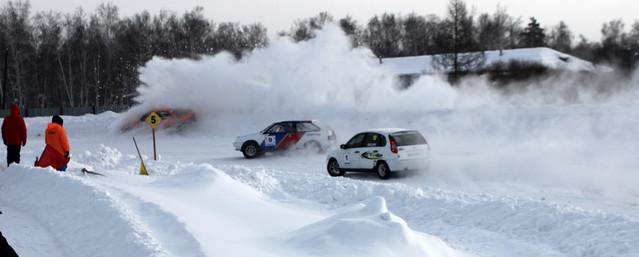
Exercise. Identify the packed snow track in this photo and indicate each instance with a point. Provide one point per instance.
(203, 199)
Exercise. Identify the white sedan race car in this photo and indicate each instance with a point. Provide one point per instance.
(382, 151)
(286, 135)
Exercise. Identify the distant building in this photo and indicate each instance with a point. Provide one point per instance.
(501, 63)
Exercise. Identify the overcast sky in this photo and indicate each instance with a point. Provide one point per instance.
(582, 16)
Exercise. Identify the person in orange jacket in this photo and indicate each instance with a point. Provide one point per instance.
(56, 152)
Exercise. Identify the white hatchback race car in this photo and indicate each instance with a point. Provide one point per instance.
(382, 151)
(284, 135)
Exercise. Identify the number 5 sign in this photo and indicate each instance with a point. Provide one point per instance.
(153, 120)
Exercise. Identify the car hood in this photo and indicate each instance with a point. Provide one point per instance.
(254, 136)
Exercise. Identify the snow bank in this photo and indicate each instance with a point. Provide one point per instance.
(105, 158)
(366, 229)
(216, 213)
(488, 224)
(82, 220)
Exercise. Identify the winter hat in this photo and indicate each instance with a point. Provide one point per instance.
(15, 110)
(57, 119)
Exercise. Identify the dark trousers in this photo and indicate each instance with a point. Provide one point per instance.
(5, 248)
(13, 154)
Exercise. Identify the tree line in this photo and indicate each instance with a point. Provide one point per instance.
(85, 59)
(92, 59)
(462, 31)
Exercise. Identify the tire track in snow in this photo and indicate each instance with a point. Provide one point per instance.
(482, 224)
(26, 234)
(75, 213)
(165, 227)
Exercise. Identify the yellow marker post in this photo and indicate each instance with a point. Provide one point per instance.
(154, 121)
(143, 171)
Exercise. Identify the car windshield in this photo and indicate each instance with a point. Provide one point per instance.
(267, 128)
(356, 141)
(164, 114)
(405, 138)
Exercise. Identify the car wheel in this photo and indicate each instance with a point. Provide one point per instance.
(334, 169)
(250, 150)
(382, 170)
(313, 147)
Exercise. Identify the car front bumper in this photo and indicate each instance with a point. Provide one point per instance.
(238, 145)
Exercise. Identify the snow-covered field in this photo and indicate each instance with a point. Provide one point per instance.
(535, 173)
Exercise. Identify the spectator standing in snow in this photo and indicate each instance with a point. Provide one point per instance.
(14, 134)
(5, 249)
(56, 151)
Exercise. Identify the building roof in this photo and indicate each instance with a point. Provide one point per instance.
(550, 58)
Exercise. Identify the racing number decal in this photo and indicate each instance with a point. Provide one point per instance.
(270, 141)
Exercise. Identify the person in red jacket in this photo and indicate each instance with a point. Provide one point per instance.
(14, 134)
(56, 151)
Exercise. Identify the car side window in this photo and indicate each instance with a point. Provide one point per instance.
(281, 128)
(288, 127)
(374, 140)
(306, 127)
(356, 141)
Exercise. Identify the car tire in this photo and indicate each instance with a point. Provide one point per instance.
(382, 170)
(333, 168)
(250, 150)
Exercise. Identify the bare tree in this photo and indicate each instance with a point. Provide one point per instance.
(352, 29)
(493, 30)
(384, 35)
(47, 38)
(417, 35)
(304, 29)
(462, 56)
(617, 46)
(561, 37)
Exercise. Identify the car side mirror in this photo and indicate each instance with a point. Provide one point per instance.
(342, 146)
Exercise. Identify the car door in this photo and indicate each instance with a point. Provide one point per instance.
(352, 149)
(290, 137)
(275, 135)
(372, 150)
(306, 132)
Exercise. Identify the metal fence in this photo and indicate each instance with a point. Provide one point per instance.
(70, 111)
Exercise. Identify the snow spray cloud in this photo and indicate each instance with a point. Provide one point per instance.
(321, 77)
(550, 133)
(325, 79)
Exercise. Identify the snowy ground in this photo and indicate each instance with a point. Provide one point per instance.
(549, 169)
(204, 199)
